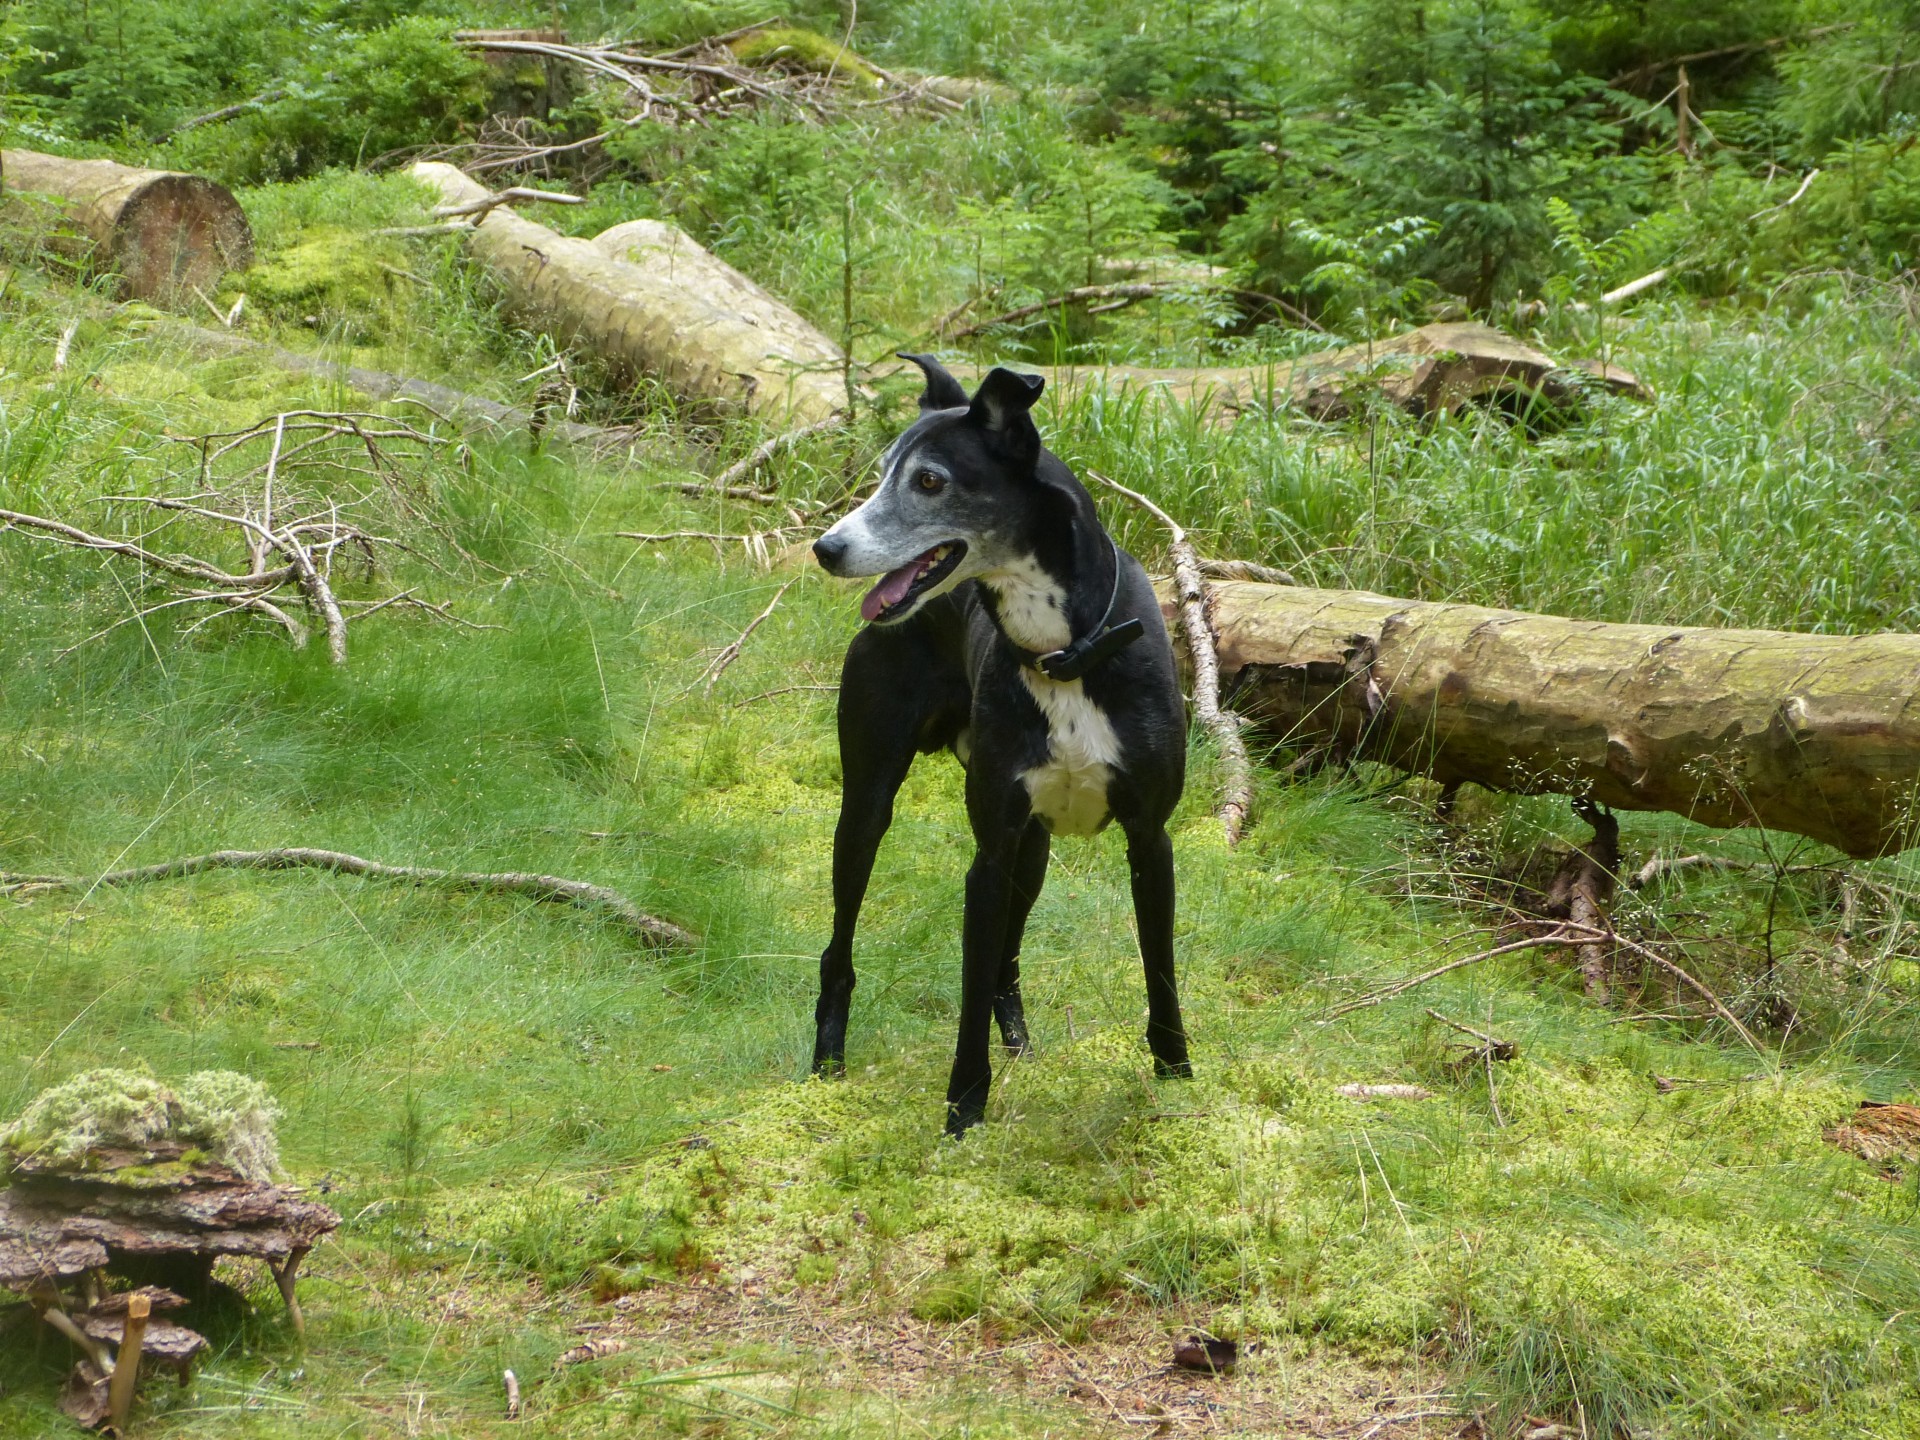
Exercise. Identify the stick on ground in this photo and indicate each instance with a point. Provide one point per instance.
(1236, 783)
(648, 929)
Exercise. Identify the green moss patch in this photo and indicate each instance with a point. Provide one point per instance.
(793, 48)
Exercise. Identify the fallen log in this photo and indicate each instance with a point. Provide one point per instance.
(165, 235)
(1434, 370)
(1818, 735)
(649, 302)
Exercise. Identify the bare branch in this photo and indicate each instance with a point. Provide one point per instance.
(1236, 781)
(649, 930)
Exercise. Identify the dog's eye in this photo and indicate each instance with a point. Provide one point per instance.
(928, 483)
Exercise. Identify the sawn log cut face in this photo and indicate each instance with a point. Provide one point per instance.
(1814, 734)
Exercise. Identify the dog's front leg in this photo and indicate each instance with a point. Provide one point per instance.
(983, 938)
(1150, 863)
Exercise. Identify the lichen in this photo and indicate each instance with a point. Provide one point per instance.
(228, 1115)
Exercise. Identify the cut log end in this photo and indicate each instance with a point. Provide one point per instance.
(179, 234)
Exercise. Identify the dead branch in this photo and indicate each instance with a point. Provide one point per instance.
(648, 929)
(302, 533)
(1628, 78)
(731, 652)
(1245, 570)
(1236, 781)
(1654, 956)
(1400, 987)
(1497, 1048)
(228, 112)
(1103, 299)
(1634, 287)
(1661, 866)
(783, 690)
(1582, 890)
(762, 454)
(1805, 183)
(509, 196)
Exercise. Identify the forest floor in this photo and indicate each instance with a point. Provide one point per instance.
(541, 1135)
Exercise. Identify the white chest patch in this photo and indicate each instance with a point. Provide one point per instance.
(1069, 791)
(1031, 605)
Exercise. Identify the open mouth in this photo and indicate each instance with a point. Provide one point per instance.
(898, 589)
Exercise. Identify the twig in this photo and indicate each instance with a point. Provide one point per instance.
(1724, 52)
(478, 209)
(648, 929)
(228, 112)
(1535, 942)
(1499, 1049)
(1681, 975)
(1634, 287)
(1659, 867)
(763, 454)
(731, 652)
(1811, 176)
(783, 690)
(1245, 570)
(1236, 781)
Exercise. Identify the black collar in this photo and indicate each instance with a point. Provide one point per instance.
(1094, 648)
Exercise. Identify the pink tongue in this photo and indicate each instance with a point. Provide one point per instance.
(892, 589)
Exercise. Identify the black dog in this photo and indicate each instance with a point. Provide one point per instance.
(1008, 627)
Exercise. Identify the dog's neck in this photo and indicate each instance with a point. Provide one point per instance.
(1042, 605)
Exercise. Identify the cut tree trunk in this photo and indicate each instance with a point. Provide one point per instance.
(1433, 370)
(163, 233)
(651, 303)
(1818, 735)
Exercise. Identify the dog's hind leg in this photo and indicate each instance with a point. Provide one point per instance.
(1150, 863)
(1029, 876)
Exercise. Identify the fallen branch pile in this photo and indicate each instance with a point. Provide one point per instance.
(769, 65)
(291, 532)
(649, 930)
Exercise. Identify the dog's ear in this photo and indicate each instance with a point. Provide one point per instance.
(1003, 400)
(943, 391)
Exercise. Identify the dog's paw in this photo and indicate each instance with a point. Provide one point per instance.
(1173, 1069)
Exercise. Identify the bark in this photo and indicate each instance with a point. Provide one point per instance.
(1433, 370)
(650, 303)
(164, 234)
(1818, 735)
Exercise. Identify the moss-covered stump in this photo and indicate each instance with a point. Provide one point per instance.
(115, 1167)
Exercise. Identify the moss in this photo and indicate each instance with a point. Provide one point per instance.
(228, 1116)
(798, 49)
(331, 275)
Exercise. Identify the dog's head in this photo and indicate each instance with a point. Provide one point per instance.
(957, 492)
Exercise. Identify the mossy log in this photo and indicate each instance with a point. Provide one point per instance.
(1818, 735)
(649, 302)
(1436, 369)
(163, 233)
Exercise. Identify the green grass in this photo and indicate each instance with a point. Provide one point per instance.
(476, 1079)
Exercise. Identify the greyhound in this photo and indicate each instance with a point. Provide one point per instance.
(1008, 627)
